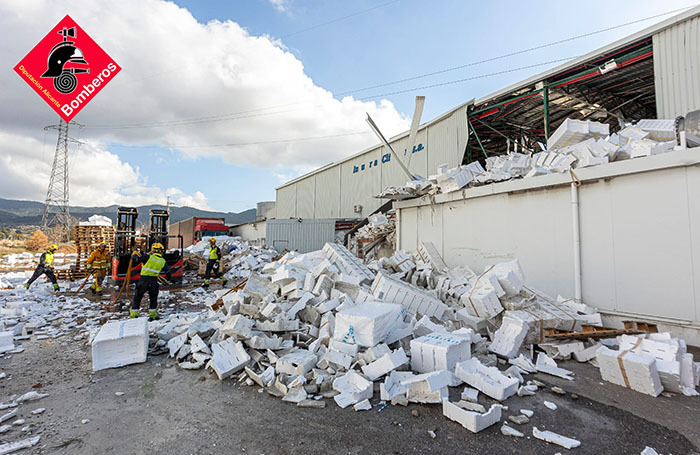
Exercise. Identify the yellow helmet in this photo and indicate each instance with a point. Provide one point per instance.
(53, 247)
(102, 245)
(157, 248)
(212, 240)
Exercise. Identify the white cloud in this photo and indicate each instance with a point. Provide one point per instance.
(177, 68)
(97, 177)
(280, 5)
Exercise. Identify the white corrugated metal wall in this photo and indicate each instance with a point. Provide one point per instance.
(677, 69)
(334, 192)
(299, 235)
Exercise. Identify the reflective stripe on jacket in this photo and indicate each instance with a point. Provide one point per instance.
(153, 266)
(214, 253)
(98, 259)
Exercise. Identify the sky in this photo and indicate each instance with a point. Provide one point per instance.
(221, 101)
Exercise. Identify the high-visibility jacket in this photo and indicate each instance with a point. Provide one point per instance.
(215, 253)
(46, 259)
(99, 259)
(153, 266)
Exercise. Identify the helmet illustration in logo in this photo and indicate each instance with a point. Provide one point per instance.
(65, 52)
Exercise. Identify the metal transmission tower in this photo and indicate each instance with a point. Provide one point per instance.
(56, 209)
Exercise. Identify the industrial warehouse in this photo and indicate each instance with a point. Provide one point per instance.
(515, 275)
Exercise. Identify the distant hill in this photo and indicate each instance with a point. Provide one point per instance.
(16, 213)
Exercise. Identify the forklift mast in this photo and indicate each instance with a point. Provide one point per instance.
(158, 231)
(125, 235)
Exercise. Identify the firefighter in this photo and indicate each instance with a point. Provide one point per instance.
(45, 267)
(214, 263)
(97, 266)
(153, 266)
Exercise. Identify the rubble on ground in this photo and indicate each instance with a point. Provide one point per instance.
(575, 144)
(323, 325)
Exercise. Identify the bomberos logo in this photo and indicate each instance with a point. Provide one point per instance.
(72, 68)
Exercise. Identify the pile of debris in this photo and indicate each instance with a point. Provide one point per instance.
(240, 258)
(377, 238)
(322, 325)
(28, 261)
(575, 144)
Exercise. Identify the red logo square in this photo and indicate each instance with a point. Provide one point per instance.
(67, 68)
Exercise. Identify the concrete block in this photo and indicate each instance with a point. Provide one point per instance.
(413, 299)
(228, 357)
(237, 326)
(367, 324)
(438, 351)
(120, 343)
(472, 421)
(637, 372)
(385, 364)
(554, 438)
(298, 362)
(509, 337)
(352, 388)
(488, 380)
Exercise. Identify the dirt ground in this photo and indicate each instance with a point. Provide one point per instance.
(166, 410)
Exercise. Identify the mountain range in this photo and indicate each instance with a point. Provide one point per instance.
(19, 213)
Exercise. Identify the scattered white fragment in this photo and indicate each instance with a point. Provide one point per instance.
(649, 451)
(527, 412)
(8, 416)
(19, 445)
(84, 421)
(432, 434)
(508, 431)
(119, 394)
(472, 421)
(31, 396)
(38, 411)
(5, 428)
(363, 405)
(554, 438)
(18, 422)
(550, 405)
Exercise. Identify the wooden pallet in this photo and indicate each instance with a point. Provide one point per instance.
(596, 332)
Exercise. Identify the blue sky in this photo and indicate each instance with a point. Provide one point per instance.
(396, 40)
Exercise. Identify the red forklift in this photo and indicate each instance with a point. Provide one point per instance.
(126, 241)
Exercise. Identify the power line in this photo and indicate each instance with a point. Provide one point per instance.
(511, 54)
(259, 111)
(212, 119)
(333, 21)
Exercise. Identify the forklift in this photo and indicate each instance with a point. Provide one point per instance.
(126, 241)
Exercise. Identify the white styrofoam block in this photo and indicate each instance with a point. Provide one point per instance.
(345, 348)
(120, 343)
(346, 262)
(394, 386)
(639, 369)
(298, 362)
(337, 358)
(472, 421)
(386, 363)
(412, 298)
(176, 343)
(228, 357)
(573, 131)
(429, 254)
(6, 341)
(367, 324)
(488, 380)
(509, 337)
(353, 388)
(482, 301)
(587, 354)
(438, 351)
(554, 438)
(238, 326)
(428, 387)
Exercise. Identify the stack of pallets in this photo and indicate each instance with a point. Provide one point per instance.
(86, 239)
